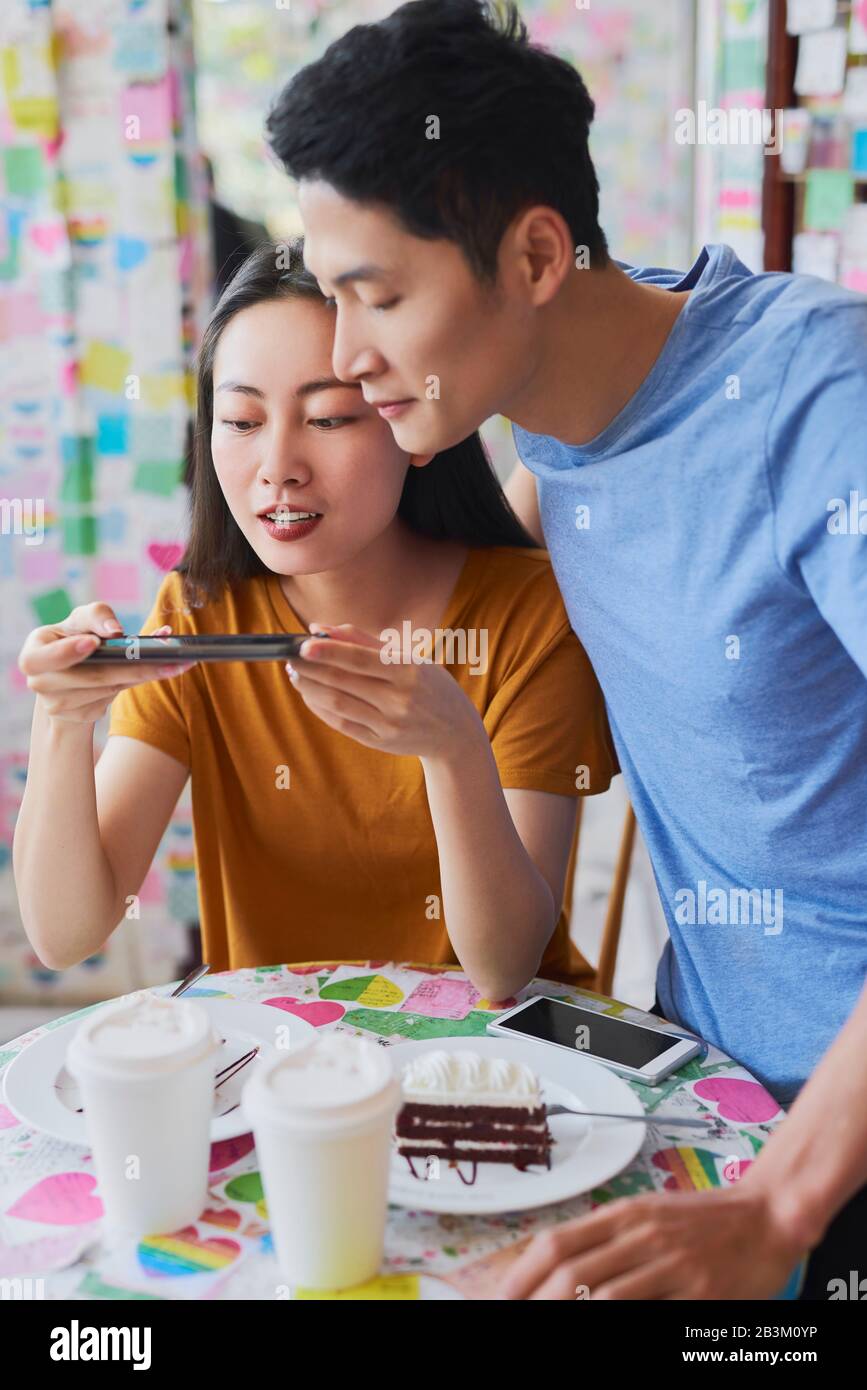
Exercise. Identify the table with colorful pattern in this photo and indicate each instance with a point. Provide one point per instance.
(50, 1208)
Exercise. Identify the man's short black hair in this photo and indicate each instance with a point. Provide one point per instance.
(513, 123)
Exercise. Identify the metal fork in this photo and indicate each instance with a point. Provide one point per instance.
(698, 1121)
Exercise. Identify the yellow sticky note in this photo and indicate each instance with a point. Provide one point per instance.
(403, 1287)
(159, 391)
(104, 366)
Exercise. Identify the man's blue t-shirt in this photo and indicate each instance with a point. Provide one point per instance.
(711, 547)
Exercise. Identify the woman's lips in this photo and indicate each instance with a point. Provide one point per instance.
(295, 531)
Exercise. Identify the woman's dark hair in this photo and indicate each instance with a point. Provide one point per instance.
(455, 497)
(445, 114)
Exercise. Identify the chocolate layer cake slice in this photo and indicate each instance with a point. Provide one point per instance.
(462, 1105)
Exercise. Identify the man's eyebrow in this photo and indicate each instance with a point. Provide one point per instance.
(360, 272)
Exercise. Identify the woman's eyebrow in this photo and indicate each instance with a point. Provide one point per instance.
(239, 386)
(326, 383)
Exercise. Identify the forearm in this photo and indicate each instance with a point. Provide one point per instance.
(817, 1159)
(65, 886)
(498, 908)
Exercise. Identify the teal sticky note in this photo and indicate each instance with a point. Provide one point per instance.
(859, 151)
(79, 534)
(52, 606)
(154, 437)
(829, 193)
(25, 171)
(161, 478)
(111, 434)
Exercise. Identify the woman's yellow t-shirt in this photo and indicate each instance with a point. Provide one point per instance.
(311, 847)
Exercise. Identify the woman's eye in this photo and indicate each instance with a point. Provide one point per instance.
(329, 422)
(240, 426)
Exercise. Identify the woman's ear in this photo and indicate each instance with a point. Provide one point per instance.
(420, 460)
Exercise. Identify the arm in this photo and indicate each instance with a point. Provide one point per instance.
(84, 840)
(524, 500)
(503, 858)
(85, 837)
(813, 1163)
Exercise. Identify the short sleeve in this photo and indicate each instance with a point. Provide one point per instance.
(154, 712)
(817, 465)
(548, 726)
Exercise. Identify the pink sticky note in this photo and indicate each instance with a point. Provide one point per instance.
(145, 113)
(42, 1256)
(63, 1199)
(441, 998)
(41, 566)
(117, 581)
(7, 1119)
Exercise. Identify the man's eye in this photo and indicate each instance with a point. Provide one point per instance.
(240, 426)
(380, 308)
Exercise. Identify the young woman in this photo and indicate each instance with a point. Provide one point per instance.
(371, 803)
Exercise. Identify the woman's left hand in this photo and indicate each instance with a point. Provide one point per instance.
(407, 707)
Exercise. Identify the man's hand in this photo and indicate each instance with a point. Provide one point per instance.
(720, 1244)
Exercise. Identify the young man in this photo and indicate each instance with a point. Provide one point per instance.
(697, 444)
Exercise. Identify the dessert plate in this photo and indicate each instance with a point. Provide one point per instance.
(43, 1094)
(585, 1153)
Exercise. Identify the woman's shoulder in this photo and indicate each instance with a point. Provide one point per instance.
(235, 608)
(515, 581)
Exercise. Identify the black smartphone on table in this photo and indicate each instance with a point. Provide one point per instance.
(165, 651)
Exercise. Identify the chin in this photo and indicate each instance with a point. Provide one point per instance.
(428, 436)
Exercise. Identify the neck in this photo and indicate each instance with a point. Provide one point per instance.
(379, 587)
(581, 380)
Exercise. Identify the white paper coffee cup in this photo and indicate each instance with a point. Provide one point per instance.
(145, 1067)
(322, 1119)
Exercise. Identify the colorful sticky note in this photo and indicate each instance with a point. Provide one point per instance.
(111, 434)
(115, 580)
(52, 606)
(104, 365)
(829, 193)
(25, 170)
(160, 478)
(39, 565)
(859, 151)
(441, 998)
(145, 113)
(79, 534)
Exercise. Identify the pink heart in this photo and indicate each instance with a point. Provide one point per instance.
(318, 1011)
(63, 1199)
(745, 1102)
(165, 557)
(48, 235)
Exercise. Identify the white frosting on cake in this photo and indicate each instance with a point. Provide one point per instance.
(466, 1078)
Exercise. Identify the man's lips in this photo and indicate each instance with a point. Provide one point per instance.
(389, 408)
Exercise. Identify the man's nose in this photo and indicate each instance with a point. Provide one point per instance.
(351, 358)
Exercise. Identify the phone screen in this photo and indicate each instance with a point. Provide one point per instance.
(550, 1020)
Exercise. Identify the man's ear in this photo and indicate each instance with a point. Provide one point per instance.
(420, 460)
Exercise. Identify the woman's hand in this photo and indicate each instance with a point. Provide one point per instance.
(50, 659)
(407, 707)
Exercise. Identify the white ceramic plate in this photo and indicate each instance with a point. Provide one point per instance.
(586, 1153)
(42, 1093)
